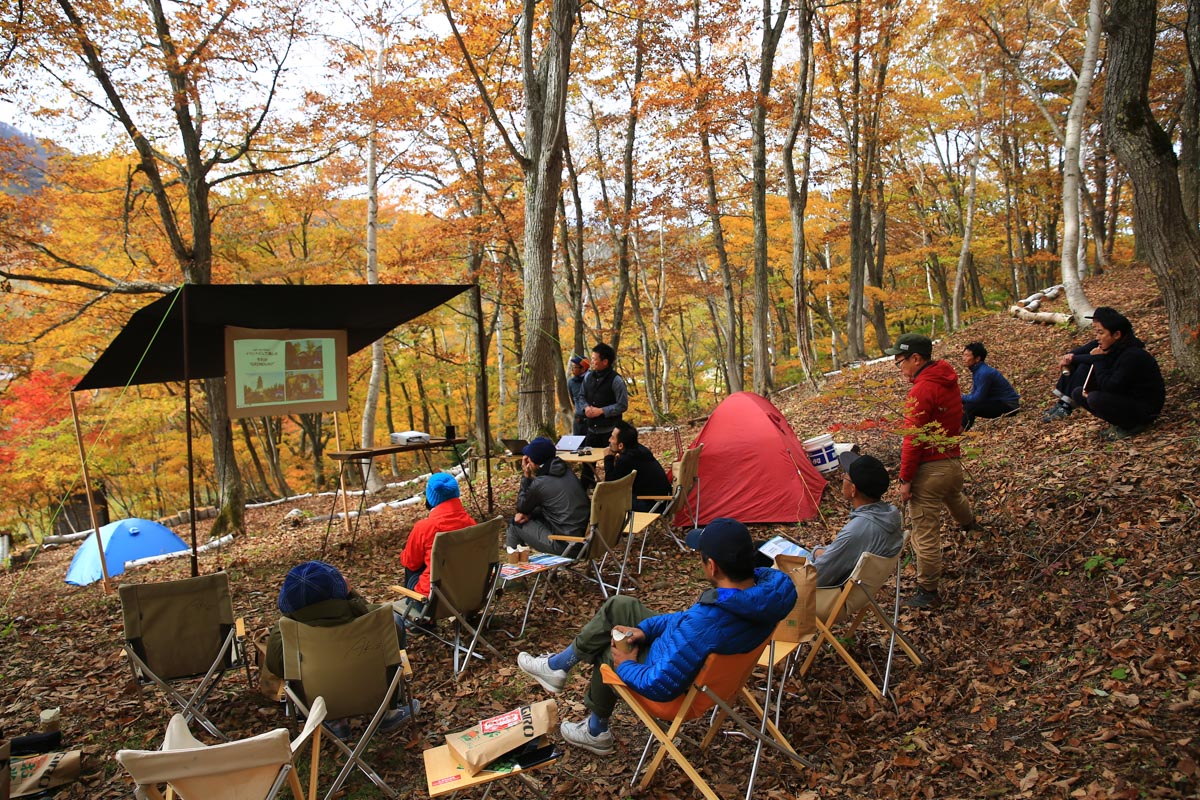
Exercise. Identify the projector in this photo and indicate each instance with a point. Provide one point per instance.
(409, 437)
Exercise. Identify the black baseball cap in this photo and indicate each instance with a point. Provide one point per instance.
(867, 473)
(727, 541)
(910, 343)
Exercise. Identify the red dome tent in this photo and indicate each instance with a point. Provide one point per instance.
(753, 467)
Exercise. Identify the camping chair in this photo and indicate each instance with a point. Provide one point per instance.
(463, 568)
(358, 668)
(246, 769)
(720, 683)
(799, 627)
(685, 474)
(850, 603)
(176, 631)
(612, 515)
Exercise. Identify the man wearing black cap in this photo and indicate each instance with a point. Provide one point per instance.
(930, 475)
(550, 501)
(874, 526)
(666, 651)
(1113, 377)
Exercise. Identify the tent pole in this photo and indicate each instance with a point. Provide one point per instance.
(477, 297)
(87, 488)
(337, 442)
(187, 405)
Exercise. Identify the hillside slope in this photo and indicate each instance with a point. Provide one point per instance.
(1063, 664)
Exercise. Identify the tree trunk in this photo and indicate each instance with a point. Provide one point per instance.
(371, 477)
(1081, 307)
(1189, 119)
(1145, 151)
(772, 30)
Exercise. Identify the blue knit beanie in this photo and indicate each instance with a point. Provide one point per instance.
(311, 582)
(442, 486)
(540, 450)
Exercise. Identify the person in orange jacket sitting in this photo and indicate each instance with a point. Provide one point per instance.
(446, 513)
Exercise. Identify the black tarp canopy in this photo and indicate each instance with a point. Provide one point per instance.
(149, 349)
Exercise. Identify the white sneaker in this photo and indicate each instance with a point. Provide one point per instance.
(538, 668)
(577, 733)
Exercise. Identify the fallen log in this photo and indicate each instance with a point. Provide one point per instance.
(1034, 301)
(1044, 317)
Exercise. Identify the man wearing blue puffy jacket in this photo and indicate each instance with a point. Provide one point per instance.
(747, 600)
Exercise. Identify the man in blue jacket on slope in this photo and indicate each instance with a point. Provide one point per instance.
(991, 394)
(736, 615)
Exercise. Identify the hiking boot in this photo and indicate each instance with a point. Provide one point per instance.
(339, 728)
(973, 527)
(398, 716)
(1059, 410)
(536, 667)
(924, 599)
(1116, 433)
(577, 733)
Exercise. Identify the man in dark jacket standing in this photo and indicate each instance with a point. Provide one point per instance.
(1113, 377)
(667, 650)
(550, 501)
(930, 475)
(605, 399)
(991, 394)
(624, 456)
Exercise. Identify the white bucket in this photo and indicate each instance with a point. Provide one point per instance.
(821, 452)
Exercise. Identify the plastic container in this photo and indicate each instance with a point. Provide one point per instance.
(821, 452)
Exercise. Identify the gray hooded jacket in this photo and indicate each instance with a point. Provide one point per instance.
(556, 497)
(873, 528)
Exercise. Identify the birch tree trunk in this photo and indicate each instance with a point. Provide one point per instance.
(1076, 299)
(371, 478)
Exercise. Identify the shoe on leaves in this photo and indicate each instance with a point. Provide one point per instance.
(924, 599)
(1056, 412)
(398, 716)
(538, 668)
(577, 733)
(1116, 433)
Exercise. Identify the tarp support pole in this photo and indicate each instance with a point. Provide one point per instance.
(187, 405)
(87, 488)
(477, 299)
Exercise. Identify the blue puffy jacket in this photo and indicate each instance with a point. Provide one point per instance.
(680, 642)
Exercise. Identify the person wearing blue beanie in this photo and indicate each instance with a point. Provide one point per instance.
(446, 513)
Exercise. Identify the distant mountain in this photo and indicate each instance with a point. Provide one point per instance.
(22, 161)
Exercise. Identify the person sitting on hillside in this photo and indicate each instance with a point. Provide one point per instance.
(550, 501)
(1112, 377)
(874, 526)
(625, 455)
(446, 513)
(991, 394)
(315, 593)
(736, 615)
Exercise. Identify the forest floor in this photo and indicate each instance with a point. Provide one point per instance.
(1065, 662)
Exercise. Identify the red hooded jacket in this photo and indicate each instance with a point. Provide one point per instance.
(448, 515)
(934, 406)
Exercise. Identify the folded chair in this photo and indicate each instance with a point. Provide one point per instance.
(463, 568)
(720, 683)
(359, 670)
(247, 769)
(612, 515)
(176, 631)
(685, 474)
(850, 604)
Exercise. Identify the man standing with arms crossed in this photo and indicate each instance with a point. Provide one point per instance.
(930, 473)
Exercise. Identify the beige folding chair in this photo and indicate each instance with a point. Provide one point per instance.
(720, 683)
(358, 668)
(849, 604)
(463, 568)
(177, 631)
(685, 474)
(612, 516)
(247, 769)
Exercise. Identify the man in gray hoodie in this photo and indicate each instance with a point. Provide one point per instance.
(873, 527)
(550, 501)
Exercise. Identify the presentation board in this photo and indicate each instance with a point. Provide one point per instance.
(284, 371)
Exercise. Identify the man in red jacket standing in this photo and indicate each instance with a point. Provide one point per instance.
(446, 513)
(930, 473)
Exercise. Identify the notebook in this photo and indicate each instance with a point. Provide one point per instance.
(570, 443)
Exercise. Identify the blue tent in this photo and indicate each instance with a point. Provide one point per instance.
(125, 540)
